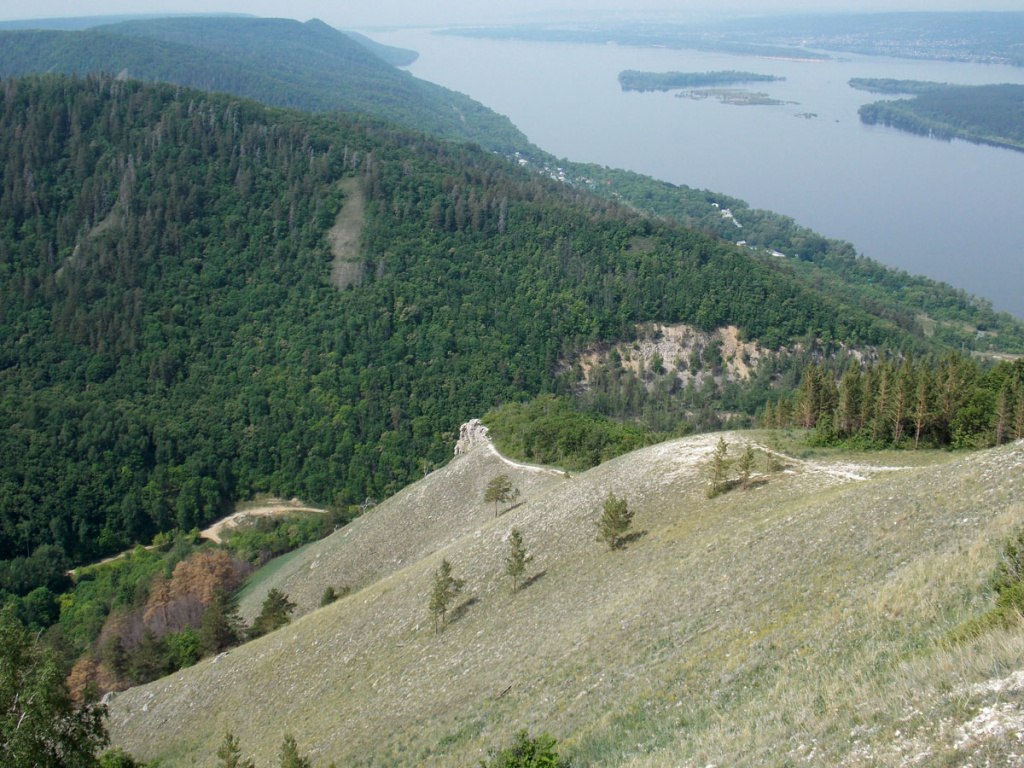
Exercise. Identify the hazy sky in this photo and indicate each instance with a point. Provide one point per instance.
(349, 13)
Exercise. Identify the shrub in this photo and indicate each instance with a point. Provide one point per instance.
(526, 752)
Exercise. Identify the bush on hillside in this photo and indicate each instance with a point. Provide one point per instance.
(526, 752)
(1007, 585)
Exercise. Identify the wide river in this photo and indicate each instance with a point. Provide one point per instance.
(951, 210)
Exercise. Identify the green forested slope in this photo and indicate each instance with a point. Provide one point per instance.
(987, 114)
(828, 265)
(398, 57)
(169, 339)
(313, 67)
(282, 62)
(96, 51)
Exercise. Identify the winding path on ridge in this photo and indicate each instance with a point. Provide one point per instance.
(273, 506)
(517, 465)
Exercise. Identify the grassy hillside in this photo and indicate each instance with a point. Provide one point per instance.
(281, 62)
(799, 621)
(425, 517)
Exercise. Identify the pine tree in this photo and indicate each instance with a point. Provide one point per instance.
(922, 404)
(869, 391)
(1004, 413)
(903, 391)
(289, 754)
(1018, 417)
(718, 468)
(331, 595)
(746, 464)
(230, 754)
(517, 558)
(500, 489)
(222, 627)
(445, 589)
(150, 660)
(880, 425)
(274, 614)
(849, 403)
(616, 517)
(783, 413)
(809, 397)
(954, 382)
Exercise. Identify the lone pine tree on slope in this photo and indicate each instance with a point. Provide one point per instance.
(229, 754)
(616, 517)
(444, 590)
(517, 558)
(718, 469)
(746, 465)
(500, 489)
(277, 609)
(290, 756)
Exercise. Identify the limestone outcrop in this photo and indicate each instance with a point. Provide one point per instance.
(471, 433)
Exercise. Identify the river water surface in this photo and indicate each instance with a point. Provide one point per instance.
(949, 210)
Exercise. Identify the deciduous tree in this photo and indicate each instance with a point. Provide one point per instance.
(40, 726)
(527, 752)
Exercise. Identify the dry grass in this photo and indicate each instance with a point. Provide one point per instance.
(796, 622)
(347, 265)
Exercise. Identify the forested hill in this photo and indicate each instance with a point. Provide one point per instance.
(281, 62)
(169, 339)
(315, 68)
(986, 114)
(398, 57)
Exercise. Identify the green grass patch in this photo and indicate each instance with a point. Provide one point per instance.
(269, 571)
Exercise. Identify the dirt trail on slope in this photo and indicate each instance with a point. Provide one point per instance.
(267, 508)
(517, 465)
(347, 267)
(697, 449)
